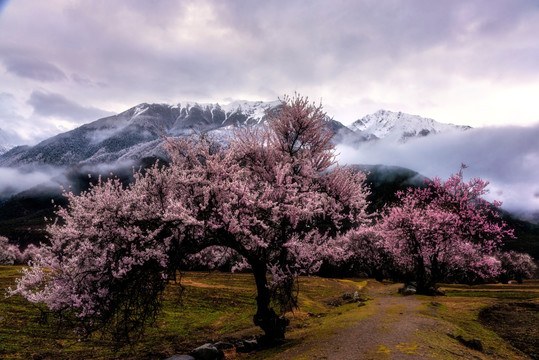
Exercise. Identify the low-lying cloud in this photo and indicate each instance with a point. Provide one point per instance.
(508, 157)
(13, 180)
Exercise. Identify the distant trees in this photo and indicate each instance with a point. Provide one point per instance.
(8, 252)
(269, 199)
(516, 266)
(444, 230)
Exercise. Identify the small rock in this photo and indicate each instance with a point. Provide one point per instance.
(360, 304)
(347, 296)
(246, 346)
(408, 289)
(207, 352)
(181, 357)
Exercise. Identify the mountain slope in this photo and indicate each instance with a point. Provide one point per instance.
(123, 135)
(138, 133)
(398, 126)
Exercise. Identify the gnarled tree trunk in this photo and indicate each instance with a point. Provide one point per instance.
(273, 325)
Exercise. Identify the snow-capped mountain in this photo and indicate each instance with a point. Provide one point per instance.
(398, 126)
(138, 133)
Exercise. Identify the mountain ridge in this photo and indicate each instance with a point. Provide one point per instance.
(399, 126)
(138, 132)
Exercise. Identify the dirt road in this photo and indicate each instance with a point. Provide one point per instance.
(397, 327)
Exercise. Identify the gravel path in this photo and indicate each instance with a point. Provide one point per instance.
(387, 334)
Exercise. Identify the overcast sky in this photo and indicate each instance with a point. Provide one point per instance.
(65, 62)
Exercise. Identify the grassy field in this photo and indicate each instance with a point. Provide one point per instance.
(219, 306)
(213, 306)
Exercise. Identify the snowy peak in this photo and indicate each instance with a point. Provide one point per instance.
(398, 126)
(6, 142)
(138, 132)
(252, 109)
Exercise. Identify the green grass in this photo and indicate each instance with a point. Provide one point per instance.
(528, 290)
(213, 306)
(219, 306)
(502, 295)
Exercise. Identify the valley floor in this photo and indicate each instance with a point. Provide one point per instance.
(337, 319)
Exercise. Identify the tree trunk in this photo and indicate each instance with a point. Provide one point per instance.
(421, 276)
(274, 326)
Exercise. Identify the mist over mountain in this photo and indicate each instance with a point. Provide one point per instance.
(508, 157)
(138, 132)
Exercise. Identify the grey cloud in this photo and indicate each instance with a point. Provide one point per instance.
(49, 104)
(35, 69)
(83, 81)
(508, 157)
(165, 51)
(359, 32)
(14, 180)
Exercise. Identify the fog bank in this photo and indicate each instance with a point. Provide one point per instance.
(507, 156)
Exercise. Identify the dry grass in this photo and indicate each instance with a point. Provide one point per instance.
(219, 306)
(215, 306)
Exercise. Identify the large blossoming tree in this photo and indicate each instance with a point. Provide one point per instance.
(444, 230)
(273, 197)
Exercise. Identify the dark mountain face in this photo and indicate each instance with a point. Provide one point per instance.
(138, 133)
(110, 135)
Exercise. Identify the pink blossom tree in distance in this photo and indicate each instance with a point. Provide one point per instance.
(444, 228)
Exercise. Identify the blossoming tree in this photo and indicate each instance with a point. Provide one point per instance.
(8, 252)
(443, 229)
(274, 197)
(516, 266)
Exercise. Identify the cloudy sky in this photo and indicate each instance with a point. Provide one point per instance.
(66, 62)
(474, 62)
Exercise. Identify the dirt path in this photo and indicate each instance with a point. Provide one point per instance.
(388, 334)
(395, 327)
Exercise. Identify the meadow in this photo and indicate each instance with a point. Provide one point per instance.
(219, 306)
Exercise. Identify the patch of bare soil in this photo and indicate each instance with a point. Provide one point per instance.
(515, 322)
(387, 334)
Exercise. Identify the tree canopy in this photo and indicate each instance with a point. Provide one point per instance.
(274, 197)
